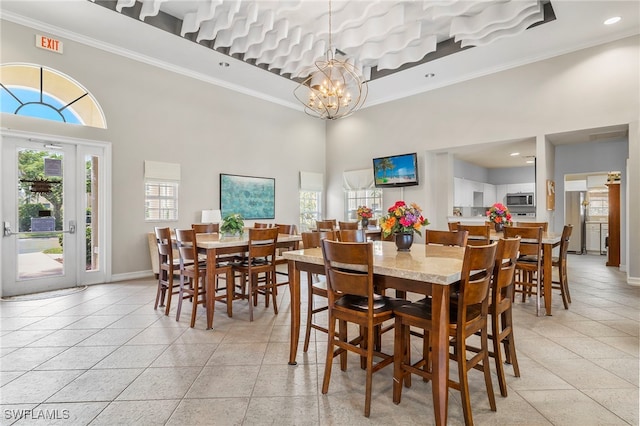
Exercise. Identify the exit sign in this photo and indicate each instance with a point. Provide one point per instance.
(48, 43)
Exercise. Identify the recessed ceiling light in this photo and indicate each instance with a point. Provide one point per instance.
(429, 75)
(514, 154)
(613, 20)
(530, 161)
(224, 64)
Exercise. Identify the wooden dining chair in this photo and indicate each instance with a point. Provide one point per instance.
(479, 235)
(560, 262)
(446, 238)
(258, 270)
(192, 273)
(315, 286)
(350, 290)
(325, 225)
(280, 260)
(529, 265)
(261, 225)
(469, 312)
(352, 235)
(167, 268)
(347, 225)
(500, 310)
(373, 222)
(453, 226)
(544, 225)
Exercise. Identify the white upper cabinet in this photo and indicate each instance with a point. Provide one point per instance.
(521, 187)
(490, 192)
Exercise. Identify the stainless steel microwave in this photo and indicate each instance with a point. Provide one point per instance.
(520, 199)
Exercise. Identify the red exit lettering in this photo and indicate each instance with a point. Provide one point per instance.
(48, 43)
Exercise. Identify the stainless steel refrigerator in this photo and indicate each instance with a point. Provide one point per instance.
(575, 214)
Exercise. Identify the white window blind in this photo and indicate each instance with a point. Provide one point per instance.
(358, 179)
(310, 181)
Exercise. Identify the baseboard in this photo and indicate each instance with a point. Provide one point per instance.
(132, 275)
(635, 281)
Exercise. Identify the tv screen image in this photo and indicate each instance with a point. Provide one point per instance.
(396, 170)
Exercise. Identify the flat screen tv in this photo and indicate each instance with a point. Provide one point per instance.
(396, 170)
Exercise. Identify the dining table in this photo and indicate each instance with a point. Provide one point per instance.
(550, 240)
(425, 269)
(215, 245)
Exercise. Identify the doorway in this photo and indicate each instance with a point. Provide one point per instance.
(54, 197)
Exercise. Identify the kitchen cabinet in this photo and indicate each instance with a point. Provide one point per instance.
(501, 193)
(489, 194)
(521, 187)
(604, 233)
(593, 238)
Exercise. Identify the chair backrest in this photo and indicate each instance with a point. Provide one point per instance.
(352, 235)
(564, 242)
(478, 234)
(475, 280)
(544, 225)
(314, 239)
(349, 269)
(263, 225)
(185, 239)
(325, 225)
(165, 246)
(287, 229)
(446, 238)
(262, 243)
(503, 271)
(453, 226)
(531, 239)
(347, 225)
(206, 228)
(373, 222)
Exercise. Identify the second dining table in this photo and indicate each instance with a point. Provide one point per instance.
(428, 270)
(216, 244)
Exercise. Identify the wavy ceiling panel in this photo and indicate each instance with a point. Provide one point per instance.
(289, 36)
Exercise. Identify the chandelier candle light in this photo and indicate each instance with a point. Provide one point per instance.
(334, 88)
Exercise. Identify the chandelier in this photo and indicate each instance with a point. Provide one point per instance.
(333, 89)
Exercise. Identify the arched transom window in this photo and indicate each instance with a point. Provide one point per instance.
(41, 92)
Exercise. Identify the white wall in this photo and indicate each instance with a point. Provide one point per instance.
(595, 87)
(153, 114)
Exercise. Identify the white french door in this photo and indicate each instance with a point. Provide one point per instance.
(53, 204)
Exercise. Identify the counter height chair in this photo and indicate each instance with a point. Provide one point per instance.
(349, 273)
(529, 264)
(352, 235)
(280, 260)
(373, 222)
(192, 273)
(261, 225)
(446, 238)
(560, 262)
(325, 225)
(453, 226)
(347, 225)
(260, 260)
(544, 225)
(315, 286)
(479, 235)
(468, 315)
(168, 267)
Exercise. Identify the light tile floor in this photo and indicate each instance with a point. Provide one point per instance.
(105, 357)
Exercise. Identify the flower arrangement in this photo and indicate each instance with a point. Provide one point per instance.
(233, 224)
(499, 213)
(403, 219)
(364, 212)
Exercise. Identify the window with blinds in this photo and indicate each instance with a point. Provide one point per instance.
(161, 201)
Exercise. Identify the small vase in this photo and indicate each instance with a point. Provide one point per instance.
(499, 227)
(365, 223)
(404, 241)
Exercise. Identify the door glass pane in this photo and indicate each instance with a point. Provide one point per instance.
(40, 250)
(92, 208)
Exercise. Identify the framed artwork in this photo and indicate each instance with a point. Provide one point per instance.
(252, 197)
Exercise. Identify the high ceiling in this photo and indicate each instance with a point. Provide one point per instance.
(403, 47)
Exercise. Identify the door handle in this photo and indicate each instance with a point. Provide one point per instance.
(6, 229)
(72, 226)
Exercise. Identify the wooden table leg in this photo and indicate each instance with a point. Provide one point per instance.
(294, 288)
(440, 349)
(547, 266)
(211, 286)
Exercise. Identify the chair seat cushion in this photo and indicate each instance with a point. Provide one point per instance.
(360, 303)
